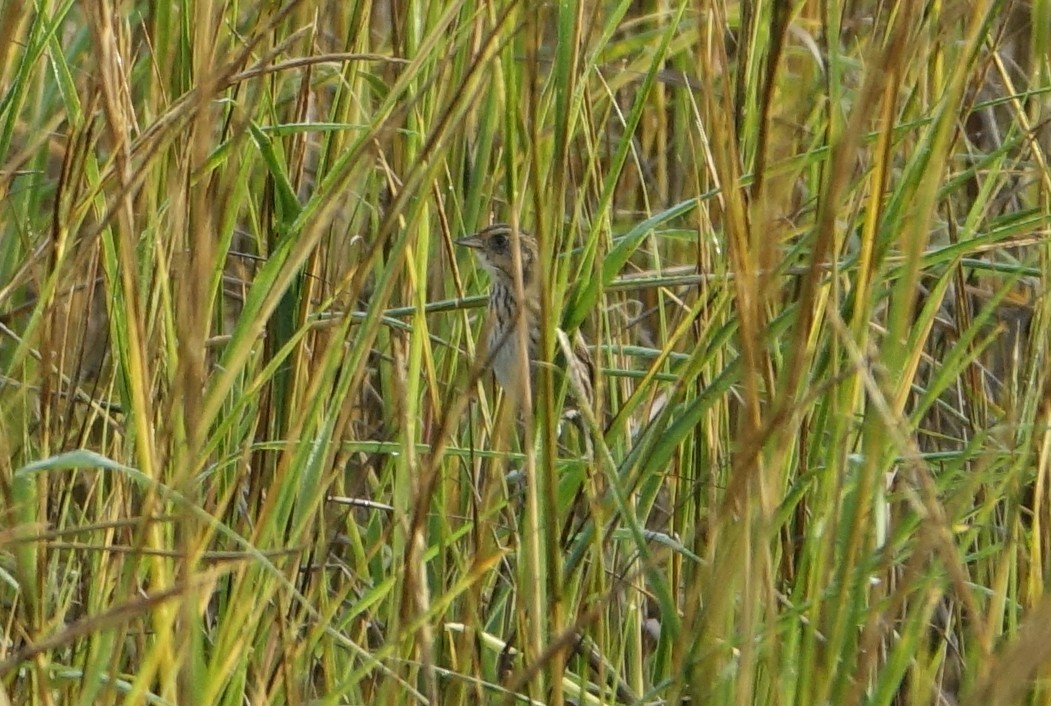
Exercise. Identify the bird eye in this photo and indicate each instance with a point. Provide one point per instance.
(499, 241)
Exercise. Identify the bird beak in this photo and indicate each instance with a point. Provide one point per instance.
(473, 242)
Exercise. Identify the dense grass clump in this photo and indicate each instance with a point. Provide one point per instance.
(248, 453)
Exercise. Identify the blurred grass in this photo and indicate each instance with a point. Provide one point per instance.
(247, 454)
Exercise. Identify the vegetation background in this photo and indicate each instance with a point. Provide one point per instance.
(246, 453)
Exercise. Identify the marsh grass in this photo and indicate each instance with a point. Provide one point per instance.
(247, 452)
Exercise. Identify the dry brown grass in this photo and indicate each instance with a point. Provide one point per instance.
(245, 457)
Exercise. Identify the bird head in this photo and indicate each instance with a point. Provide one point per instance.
(494, 247)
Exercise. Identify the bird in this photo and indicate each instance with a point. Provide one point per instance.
(495, 248)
